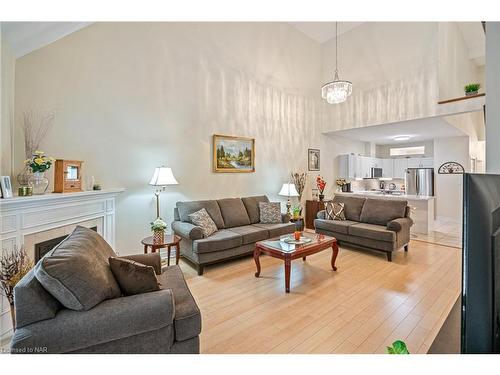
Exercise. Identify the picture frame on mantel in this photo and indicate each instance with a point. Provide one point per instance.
(5, 187)
(233, 154)
(313, 159)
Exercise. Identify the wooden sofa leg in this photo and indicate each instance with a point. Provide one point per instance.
(389, 256)
(200, 270)
(406, 247)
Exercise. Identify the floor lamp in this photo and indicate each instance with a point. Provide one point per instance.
(162, 177)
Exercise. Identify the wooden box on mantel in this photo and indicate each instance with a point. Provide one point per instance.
(68, 176)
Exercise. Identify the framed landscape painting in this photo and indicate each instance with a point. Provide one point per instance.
(233, 154)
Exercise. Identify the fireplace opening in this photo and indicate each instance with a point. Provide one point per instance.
(44, 247)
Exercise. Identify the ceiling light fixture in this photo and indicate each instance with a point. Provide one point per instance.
(402, 138)
(337, 90)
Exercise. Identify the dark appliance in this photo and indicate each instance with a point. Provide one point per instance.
(480, 319)
(376, 172)
(346, 188)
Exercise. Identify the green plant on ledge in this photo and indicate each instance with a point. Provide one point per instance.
(398, 347)
(472, 88)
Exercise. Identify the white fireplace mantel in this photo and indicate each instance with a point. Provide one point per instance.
(27, 220)
(23, 216)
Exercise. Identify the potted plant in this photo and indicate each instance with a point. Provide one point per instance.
(321, 184)
(299, 180)
(13, 266)
(472, 89)
(158, 227)
(39, 164)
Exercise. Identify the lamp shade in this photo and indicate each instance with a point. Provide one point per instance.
(163, 176)
(288, 190)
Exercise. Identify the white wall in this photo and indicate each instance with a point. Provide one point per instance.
(448, 188)
(7, 68)
(493, 97)
(131, 96)
(393, 68)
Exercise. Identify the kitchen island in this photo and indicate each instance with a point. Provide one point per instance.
(422, 207)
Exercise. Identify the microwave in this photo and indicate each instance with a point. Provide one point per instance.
(376, 172)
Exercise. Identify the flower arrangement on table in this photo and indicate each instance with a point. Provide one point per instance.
(39, 163)
(158, 227)
(320, 184)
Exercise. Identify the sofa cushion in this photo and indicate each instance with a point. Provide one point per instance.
(186, 208)
(133, 277)
(381, 211)
(251, 233)
(270, 212)
(76, 272)
(233, 212)
(352, 206)
(252, 207)
(276, 230)
(335, 210)
(187, 319)
(203, 220)
(221, 240)
(33, 303)
(334, 225)
(372, 231)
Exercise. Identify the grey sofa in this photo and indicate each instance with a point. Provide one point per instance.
(239, 227)
(165, 321)
(377, 224)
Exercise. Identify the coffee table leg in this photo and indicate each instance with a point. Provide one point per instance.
(304, 259)
(256, 255)
(177, 252)
(288, 263)
(168, 255)
(335, 252)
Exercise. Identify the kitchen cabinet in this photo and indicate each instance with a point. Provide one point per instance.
(356, 166)
(387, 168)
(400, 166)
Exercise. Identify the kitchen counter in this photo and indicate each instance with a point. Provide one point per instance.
(422, 207)
(379, 195)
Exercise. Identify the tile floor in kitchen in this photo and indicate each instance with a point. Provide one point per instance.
(446, 232)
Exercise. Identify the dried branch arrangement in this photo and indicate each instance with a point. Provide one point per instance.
(13, 266)
(299, 180)
(35, 127)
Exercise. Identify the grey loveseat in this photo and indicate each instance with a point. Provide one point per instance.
(239, 227)
(164, 321)
(377, 224)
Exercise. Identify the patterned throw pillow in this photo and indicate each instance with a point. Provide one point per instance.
(270, 212)
(335, 211)
(202, 219)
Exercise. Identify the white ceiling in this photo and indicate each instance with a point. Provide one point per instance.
(323, 31)
(25, 37)
(418, 130)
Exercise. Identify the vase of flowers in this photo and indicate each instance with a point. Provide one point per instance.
(13, 266)
(341, 183)
(39, 164)
(320, 184)
(158, 227)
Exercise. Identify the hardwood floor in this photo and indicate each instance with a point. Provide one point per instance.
(363, 307)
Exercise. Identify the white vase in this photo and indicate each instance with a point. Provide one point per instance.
(39, 183)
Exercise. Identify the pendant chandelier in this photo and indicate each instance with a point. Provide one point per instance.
(337, 90)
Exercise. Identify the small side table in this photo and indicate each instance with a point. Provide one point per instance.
(169, 241)
(299, 223)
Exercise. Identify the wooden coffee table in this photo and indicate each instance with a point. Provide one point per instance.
(277, 248)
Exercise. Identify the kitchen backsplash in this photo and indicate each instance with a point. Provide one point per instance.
(374, 184)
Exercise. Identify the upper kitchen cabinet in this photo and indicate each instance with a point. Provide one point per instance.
(400, 166)
(387, 168)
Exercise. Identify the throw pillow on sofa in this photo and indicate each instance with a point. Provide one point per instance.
(202, 219)
(133, 277)
(76, 272)
(335, 211)
(270, 212)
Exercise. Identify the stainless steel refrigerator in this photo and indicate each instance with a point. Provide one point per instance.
(419, 181)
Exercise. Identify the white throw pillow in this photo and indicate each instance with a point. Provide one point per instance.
(270, 212)
(202, 219)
